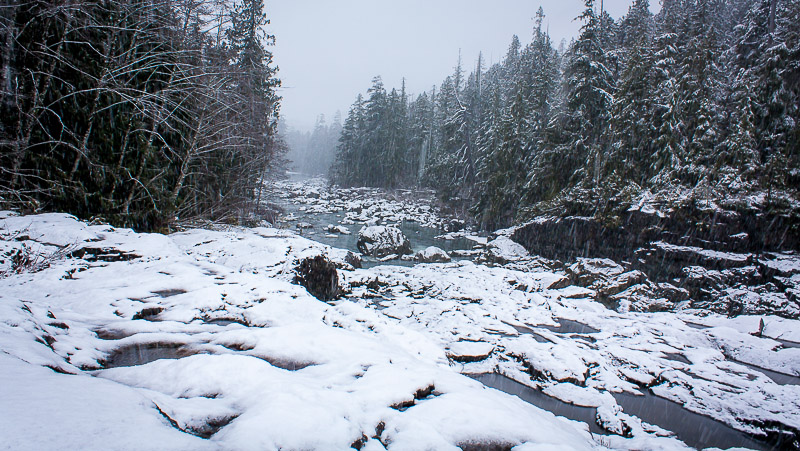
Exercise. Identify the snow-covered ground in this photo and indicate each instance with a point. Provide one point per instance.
(282, 372)
(249, 360)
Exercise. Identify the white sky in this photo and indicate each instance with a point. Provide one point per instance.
(329, 51)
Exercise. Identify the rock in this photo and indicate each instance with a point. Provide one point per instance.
(149, 313)
(469, 351)
(561, 282)
(353, 259)
(705, 284)
(304, 225)
(702, 254)
(593, 272)
(342, 230)
(672, 293)
(380, 241)
(640, 298)
(732, 230)
(609, 418)
(664, 261)
(760, 300)
(454, 225)
(621, 282)
(611, 282)
(432, 254)
(503, 250)
(466, 252)
(388, 258)
(781, 265)
(318, 275)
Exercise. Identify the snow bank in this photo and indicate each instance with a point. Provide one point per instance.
(269, 366)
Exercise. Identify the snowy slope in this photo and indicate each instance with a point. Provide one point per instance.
(72, 317)
(251, 361)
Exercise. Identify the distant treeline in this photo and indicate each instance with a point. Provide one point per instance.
(702, 97)
(312, 152)
(136, 111)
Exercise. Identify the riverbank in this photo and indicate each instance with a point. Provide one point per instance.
(200, 340)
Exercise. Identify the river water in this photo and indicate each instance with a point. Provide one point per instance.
(419, 236)
(694, 429)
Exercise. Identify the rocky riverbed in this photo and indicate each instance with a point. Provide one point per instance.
(214, 339)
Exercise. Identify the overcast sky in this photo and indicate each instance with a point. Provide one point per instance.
(329, 51)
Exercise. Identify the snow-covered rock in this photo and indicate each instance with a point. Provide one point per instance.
(432, 254)
(503, 250)
(380, 241)
(469, 351)
(263, 365)
(594, 272)
(337, 229)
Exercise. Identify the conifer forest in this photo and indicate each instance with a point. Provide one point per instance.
(585, 240)
(704, 96)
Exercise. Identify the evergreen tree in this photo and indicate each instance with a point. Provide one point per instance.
(702, 97)
(632, 125)
(590, 87)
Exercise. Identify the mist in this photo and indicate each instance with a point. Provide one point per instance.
(328, 52)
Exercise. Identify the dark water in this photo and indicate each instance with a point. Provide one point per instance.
(419, 236)
(539, 399)
(565, 326)
(141, 354)
(568, 326)
(787, 343)
(693, 429)
(698, 431)
(677, 357)
(169, 293)
(226, 322)
(777, 377)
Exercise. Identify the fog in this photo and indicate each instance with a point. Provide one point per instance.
(328, 51)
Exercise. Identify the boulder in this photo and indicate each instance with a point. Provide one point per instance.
(342, 230)
(353, 259)
(469, 351)
(561, 282)
(594, 272)
(641, 298)
(380, 241)
(503, 250)
(672, 293)
(318, 275)
(454, 225)
(621, 283)
(432, 254)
